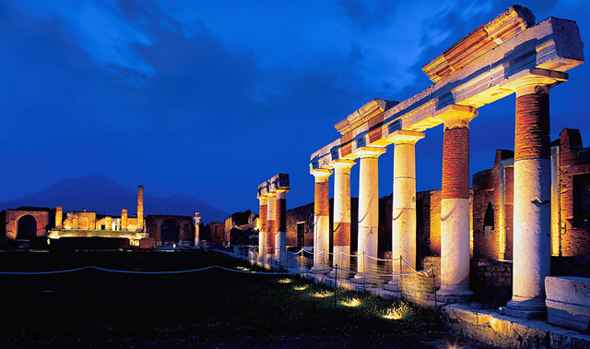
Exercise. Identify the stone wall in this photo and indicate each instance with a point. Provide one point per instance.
(491, 281)
(11, 218)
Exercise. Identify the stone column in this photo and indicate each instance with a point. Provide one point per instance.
(281, 227)
(59, 215)
(270, 229)
(532, 216)
(140, 208)
(124, 216)
(455, 247)
(403, 225)
(368, 212)
(262, 218)
(341, 228)
(321, 224)
(197, 222)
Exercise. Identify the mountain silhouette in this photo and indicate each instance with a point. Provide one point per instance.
(105, 196)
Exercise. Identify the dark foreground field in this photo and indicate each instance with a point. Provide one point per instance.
(94, 309)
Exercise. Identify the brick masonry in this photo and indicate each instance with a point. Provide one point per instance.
(532, 126)
(455, 168)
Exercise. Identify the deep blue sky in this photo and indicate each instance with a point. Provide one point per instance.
(211, 98)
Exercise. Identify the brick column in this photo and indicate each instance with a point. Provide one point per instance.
(124, 216)
(403, 225)
(281, 227)
(321, 226)
(455, 248)
(140, 208)
(368, 213)
(262, 218)
(197, 223)
(341, 227)
(270, 229)
(532, 219)
(59, 212)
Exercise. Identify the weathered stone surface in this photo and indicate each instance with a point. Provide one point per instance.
(568, 301)
(492, 328)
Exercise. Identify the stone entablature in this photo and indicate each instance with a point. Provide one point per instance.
(539, 55)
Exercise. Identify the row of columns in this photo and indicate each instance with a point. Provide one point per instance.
(531, 204)
(272, 238)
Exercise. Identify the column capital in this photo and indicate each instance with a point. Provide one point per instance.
(369, 152)
(457, 116)
(343, 164)
(320, 174)
(405, 137)
(535, 80)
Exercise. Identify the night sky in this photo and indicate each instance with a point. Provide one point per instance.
(209, 98)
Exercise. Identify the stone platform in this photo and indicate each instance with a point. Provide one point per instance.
(493, 328)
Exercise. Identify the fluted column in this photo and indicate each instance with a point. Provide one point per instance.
(281, 227)
(321, 226)
(368, 212)
(532, 220)
(455, 251)
(262, 214)
(403, 225)
(341, 227)
(270, 229)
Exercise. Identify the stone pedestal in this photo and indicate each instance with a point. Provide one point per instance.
(532, 220)
(368, 212)
(455, 248)
(321, 229)
(568, 302)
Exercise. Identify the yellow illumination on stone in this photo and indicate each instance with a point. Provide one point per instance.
(285, 281)
(397, 312)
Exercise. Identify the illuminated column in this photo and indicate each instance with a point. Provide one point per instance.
(59, 215)
(262, 214)
(532, 220)
(197, 222)
(342, 216)
(124, 216)
(321, 225)
(403, 225)
(455, 249)
(281, 227)
(368, 212)
(271, 229)
(140, 208)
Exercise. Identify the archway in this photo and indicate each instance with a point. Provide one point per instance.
(26, 228)
(170, 231)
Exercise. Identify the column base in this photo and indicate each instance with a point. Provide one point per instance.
(453, 295)
(341, 274)
(362, 278)
(320, 269)
(526, 309)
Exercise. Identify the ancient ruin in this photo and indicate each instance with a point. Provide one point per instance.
(510, 54)
(272, 198)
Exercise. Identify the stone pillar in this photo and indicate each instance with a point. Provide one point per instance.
(403, 225)
(270, 230)
(368, 212)
(281, 227)
(455, 247)
(140, 208)
(532, 219)
(59, 215)
(321, 224)
(124, 216)
(341, 228)
(197, 223)
(262, 214)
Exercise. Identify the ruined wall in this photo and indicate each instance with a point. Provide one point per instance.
(11, 218)
(485, 215)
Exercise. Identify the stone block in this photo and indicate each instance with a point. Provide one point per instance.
(568, 301)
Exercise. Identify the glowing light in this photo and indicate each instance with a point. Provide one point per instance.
(351, 302)
(285, 281)
(301, 287)
(242, 268)
(322, 294)
(397, 312)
